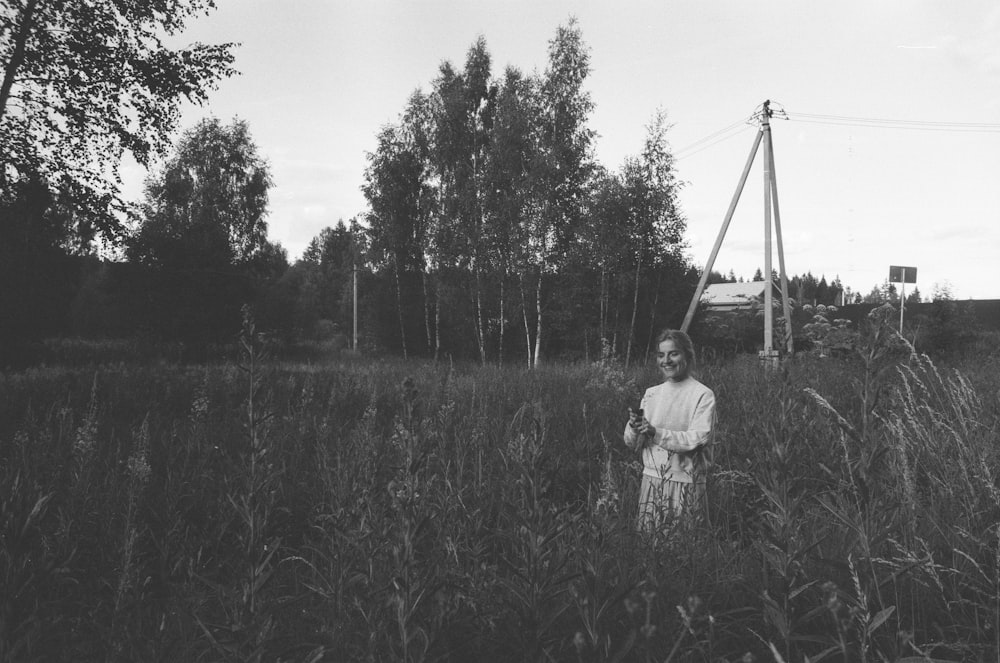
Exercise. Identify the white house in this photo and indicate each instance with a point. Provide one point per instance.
(725, 297)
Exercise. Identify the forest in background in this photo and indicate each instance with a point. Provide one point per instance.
(491, 234)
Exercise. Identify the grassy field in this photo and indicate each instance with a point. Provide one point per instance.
(388, 511)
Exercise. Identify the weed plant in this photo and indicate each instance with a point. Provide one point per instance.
(390, 511)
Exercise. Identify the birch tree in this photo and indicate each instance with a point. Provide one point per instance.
(508, 184)
(393, 188)
(655, 223)
(561, 173)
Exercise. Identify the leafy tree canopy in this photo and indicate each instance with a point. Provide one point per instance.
(205, 209)
(84, 82)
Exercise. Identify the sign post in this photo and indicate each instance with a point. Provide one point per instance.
(902, 275)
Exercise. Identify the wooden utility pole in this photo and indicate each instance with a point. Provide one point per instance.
(786, 305)
(768, 354)
(354, 344)
(765, 127)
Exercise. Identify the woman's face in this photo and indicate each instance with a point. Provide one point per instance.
(671, 361)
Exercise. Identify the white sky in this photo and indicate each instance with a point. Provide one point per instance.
(320, 77)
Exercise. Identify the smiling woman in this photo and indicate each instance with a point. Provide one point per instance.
(672, 429)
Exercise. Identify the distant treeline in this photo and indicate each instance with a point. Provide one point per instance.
(492, 234)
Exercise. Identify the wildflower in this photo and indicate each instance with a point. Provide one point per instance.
(138, 462)
(830, 598)
(86, 440)
(370, 413)
(517, 447)
(607, 500)
(410, 396)
(138, 468)
(307, 394)
(200, 404)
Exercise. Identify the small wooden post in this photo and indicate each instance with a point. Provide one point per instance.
(355, 343)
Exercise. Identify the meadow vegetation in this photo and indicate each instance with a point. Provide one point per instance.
(262, 510)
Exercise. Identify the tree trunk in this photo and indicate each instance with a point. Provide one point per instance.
(538, 319)
(437, 325)
(524, 313)
(480, 328)
(618, 317)
(399, 307)
(602, 323)
(635, 307)
(17, 57)
(427, 309)
(652, 311)
(480, 222)
(503, 317)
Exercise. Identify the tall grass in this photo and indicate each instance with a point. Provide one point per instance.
(416, 512)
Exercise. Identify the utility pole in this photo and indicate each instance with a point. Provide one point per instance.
(769, 355)
(355, 272)
(786, 304)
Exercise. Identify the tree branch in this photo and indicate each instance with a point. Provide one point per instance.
(17, 57)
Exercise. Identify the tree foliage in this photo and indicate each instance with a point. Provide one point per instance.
(85, 82)
(323, 277)
(206, 206)
(201, 248)
(39, 266)
(491, 214)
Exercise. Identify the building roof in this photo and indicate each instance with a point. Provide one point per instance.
(733, 294)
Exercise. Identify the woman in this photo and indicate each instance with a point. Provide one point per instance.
(672, 427)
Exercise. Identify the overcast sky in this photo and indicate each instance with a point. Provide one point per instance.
(890, 154)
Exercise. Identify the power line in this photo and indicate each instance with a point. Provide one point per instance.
(915, 122)
(885, 123)
(713, 135)
(712, 139)
(712, 144)
(743, 124)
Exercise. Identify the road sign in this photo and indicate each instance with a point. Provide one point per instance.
(902, 274)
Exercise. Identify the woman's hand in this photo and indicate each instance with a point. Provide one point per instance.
(635, 418)
(639, 423)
